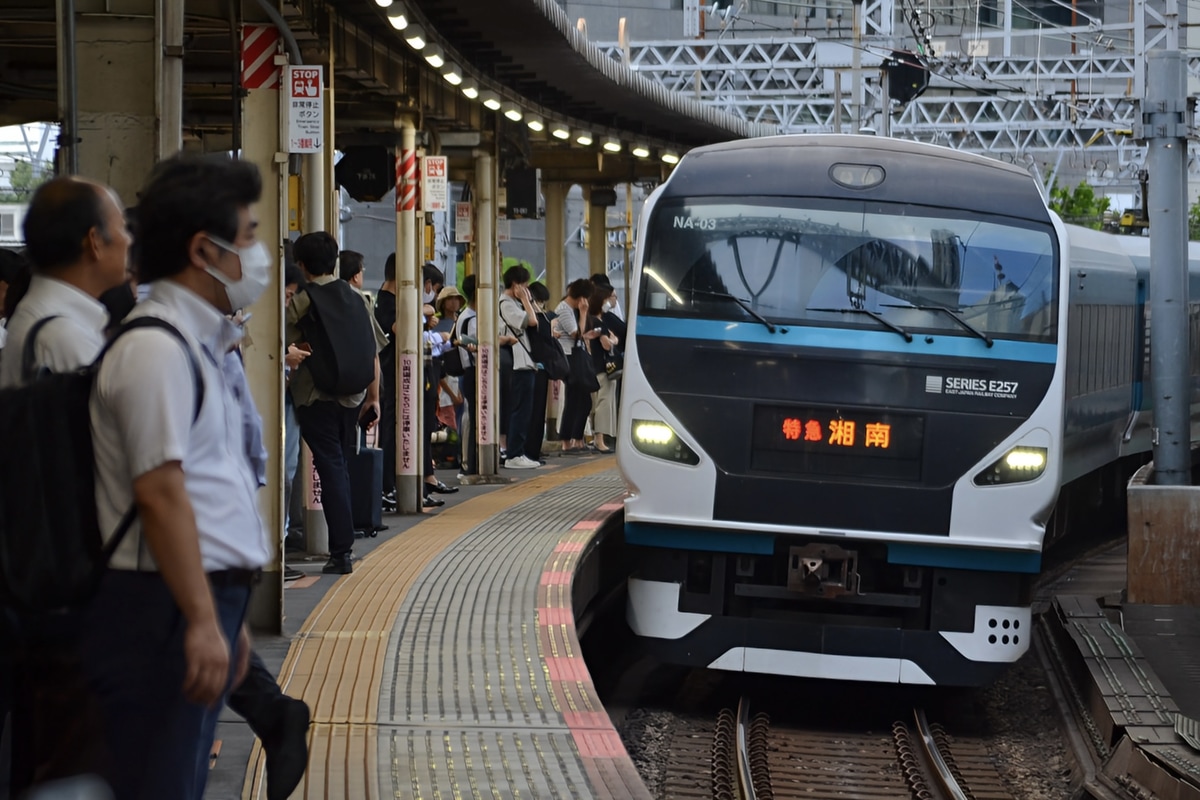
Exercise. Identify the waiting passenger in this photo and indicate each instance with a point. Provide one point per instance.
(574, 331)
(328, 416)
(165, 638)
(517, 314)
(78, 244)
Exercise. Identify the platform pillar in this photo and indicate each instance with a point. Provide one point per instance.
(410, 425)
(263, 348)
(128, 92)
(555, 194)
(488, 286)
(597, 222)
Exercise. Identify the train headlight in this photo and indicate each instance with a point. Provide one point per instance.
(658, 440)
(1016, 466)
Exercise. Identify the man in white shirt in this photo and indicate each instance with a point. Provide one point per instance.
(164, 638)
(78, 247)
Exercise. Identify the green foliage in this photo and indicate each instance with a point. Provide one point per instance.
(1194, 222)
(23, 181)
(1079, 206)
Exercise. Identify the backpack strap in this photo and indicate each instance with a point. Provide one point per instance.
(29, 367)
(126, 522)
(516, 333)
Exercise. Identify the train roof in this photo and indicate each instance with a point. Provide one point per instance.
(799, 166)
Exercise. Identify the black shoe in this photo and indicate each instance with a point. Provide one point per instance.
(293, 543)
(432, 502)
(291, 573)
(287, 750)
(338, 565)
(441, 488)
(388, 503)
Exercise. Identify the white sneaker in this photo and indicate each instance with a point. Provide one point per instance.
(521, 462)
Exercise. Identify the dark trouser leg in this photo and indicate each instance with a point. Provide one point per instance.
(522, 405)
(537, 417)
(470, 443)
(328, 427)
(231, 604)
(258, 699)
(575, 412)
(430, 426)
(133, 652)
(387, 436)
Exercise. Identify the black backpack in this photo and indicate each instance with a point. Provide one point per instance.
(338, 329)
(543, 348)
(52, 556)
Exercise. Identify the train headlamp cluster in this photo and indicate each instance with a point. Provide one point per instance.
(1019, 465)
(658, 440)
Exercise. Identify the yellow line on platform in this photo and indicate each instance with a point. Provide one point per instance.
(336, 661)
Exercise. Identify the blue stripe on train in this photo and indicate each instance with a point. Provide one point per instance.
(918, 555)
(885, 341)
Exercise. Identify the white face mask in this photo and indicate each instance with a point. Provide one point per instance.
(429, 297)
(256, 273)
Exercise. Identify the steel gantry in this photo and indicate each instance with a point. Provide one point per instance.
(1059, 99)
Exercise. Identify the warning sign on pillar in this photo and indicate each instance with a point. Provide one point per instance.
(484, 371)
(462, 223)
(260, 43)
(435, 184)
(407, 416)
(305, 98)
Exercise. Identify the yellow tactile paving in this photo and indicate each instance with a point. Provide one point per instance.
(336, 661)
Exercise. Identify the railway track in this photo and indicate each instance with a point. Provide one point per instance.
(741, 756)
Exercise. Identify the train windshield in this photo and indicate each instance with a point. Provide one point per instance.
(809, 262)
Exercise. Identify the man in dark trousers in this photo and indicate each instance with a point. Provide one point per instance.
(385, 315)
(329, 421)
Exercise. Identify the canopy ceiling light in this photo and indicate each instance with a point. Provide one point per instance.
(612, 145)
(583, 137)
(397, 14)
(383, 3)
(513, 112)
(415, 36)
(490, 100)
(452, 73)
(640, 150)
(535, 123)
(670, 157)
(470, 88)
(560, 131)
(435, 55)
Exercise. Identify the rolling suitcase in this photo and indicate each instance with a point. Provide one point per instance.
(366, 485)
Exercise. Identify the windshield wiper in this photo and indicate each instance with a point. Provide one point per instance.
(954, 316)
(872, 314)
(742, 303)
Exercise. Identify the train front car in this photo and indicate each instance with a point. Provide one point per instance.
(840, 405)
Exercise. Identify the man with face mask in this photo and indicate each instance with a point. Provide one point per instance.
(164, 638)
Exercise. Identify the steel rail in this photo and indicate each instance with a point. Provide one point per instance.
(934, 758)
(745, 778)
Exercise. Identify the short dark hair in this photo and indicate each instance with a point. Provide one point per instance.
(61, 213)
(317, 252)
(468, 288)
(187, 195)
(580, 289)
(432, 274)
(600, 293)
(350, 263)
(514, 275)
(389, 268)
(539, 292)
(292, 274)
(601, 279)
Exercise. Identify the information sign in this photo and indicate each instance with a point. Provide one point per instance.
(305, 98)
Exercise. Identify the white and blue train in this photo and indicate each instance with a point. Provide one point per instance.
(866, 382)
